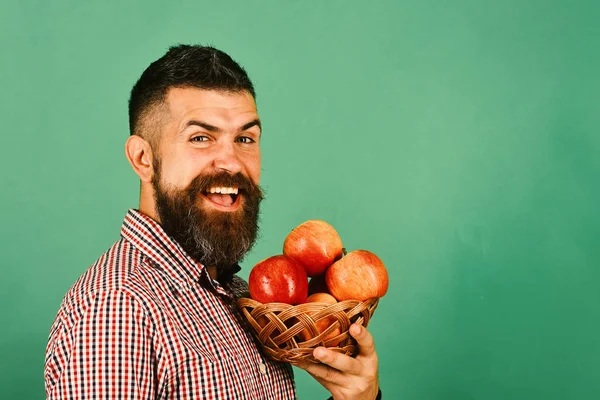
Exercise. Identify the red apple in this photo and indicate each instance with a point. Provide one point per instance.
(359, 275)
(315, 245)
(317, 284)
(325, 322)
(278, 279)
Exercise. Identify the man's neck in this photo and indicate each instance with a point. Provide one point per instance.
(147, 203)
(212, 271)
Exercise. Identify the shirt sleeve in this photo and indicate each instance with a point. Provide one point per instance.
(103, 350)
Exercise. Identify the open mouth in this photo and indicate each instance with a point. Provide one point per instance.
(223, 197)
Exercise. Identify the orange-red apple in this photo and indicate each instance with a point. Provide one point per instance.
(325, 322)
(315, 244)
(359, 275)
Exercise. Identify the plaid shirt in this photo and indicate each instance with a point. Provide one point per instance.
(146, 321)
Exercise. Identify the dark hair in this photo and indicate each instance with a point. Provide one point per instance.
(202, 67)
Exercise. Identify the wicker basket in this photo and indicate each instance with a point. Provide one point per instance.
(289, 333)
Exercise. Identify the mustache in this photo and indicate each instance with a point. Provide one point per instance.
(203, 182)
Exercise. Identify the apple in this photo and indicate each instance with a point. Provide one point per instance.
(278, 279)
(325, 322)
(321, 297)
(359, 275)
(262, 321)
(317, 284)
(315, 245)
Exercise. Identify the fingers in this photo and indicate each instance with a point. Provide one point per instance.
(326, 375)
(343, 375)
(344, 363)
(366, 344)
(342, 384)
(330, 386)
(340, 362)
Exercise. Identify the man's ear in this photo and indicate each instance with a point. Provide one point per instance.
(140, 156)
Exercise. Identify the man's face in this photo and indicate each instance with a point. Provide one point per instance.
(206, 173)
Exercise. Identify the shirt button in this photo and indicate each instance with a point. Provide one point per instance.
(263, 368)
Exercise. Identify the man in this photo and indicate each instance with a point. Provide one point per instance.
(155, 316)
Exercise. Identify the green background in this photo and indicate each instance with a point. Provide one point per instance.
(457, 140)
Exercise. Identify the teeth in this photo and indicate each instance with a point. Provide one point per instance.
(223, 190)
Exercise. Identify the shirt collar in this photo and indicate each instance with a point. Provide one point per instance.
(150, 238)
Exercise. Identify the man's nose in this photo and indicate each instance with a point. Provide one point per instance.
(227, 159)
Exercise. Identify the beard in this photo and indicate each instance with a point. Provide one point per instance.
(212, 237)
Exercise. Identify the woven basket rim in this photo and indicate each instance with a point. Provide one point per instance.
(290, 333)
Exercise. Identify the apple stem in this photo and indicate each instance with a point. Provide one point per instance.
(344, 251)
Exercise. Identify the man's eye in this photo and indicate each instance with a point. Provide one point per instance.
(245, 139)
(199, 139)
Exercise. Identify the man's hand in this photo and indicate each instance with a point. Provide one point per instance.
(346, 377)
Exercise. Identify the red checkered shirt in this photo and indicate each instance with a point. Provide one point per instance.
(146, 321)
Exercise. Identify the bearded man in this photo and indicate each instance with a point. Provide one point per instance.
(154, 317)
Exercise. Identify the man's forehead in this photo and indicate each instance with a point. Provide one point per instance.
(183, 101)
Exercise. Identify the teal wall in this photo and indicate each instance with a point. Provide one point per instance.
(457, 140)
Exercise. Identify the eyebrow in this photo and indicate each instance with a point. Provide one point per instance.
(212, 128)
(250, 124)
